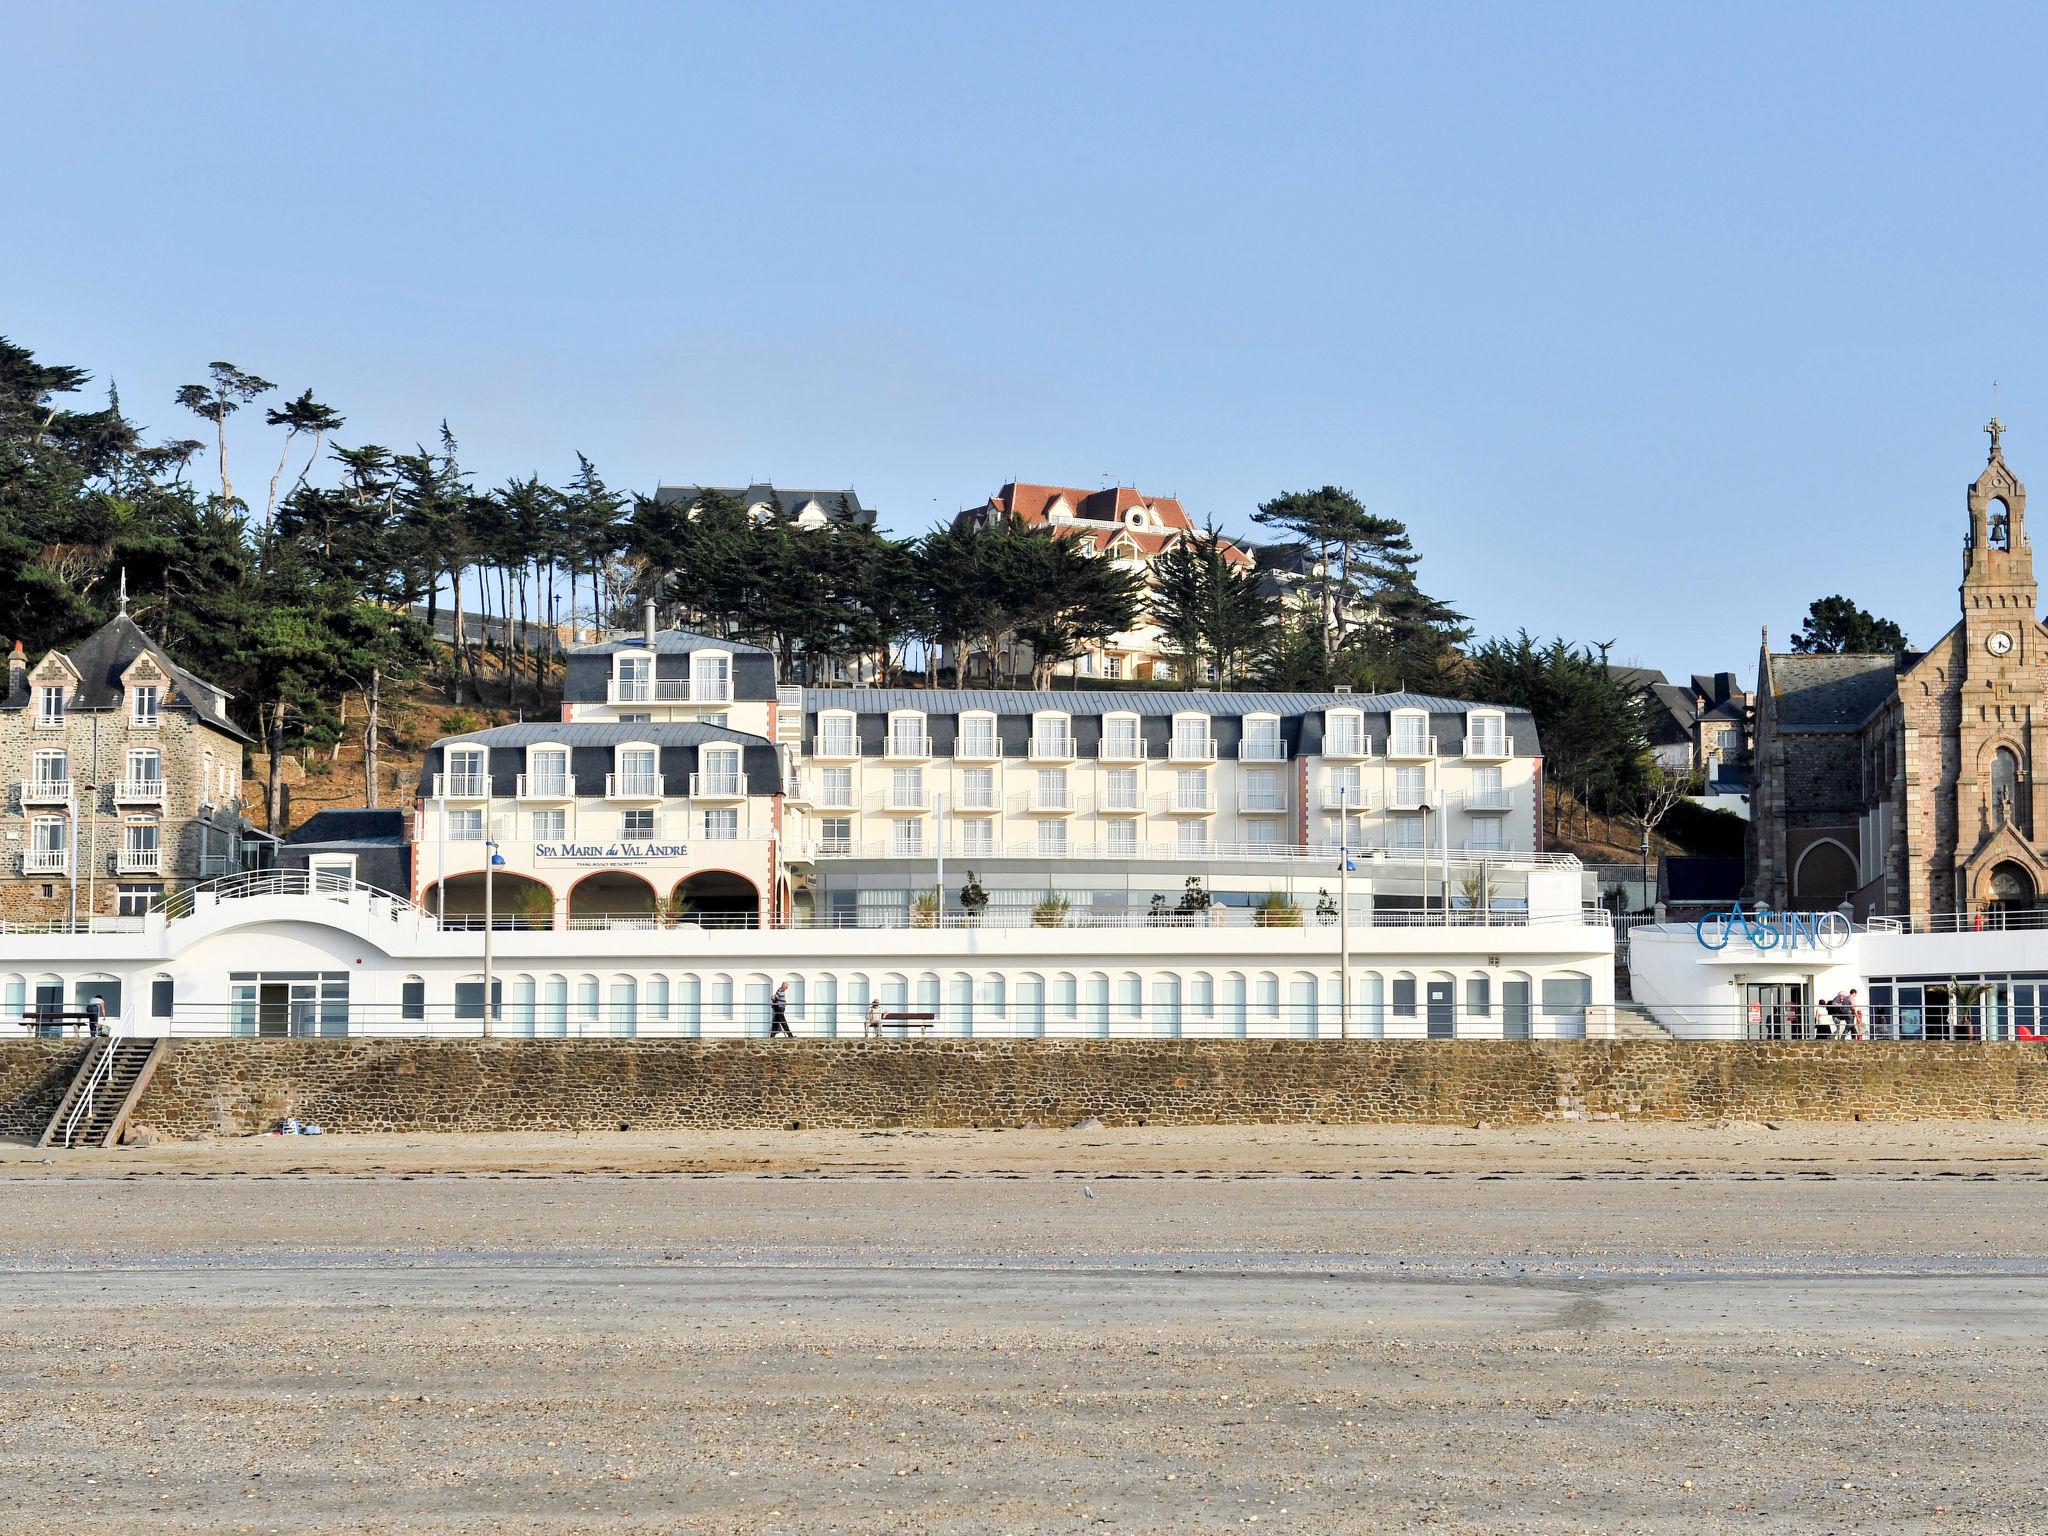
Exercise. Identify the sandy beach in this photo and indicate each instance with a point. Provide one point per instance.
(1613, 1327)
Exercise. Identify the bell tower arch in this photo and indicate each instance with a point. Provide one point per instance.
(1998, 592)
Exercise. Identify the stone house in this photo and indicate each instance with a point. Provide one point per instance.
(1906, 784)
(123, 776)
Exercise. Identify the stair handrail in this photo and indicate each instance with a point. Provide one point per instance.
(102, 1069)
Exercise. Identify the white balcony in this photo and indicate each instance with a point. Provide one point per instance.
(832, 800)
(977, 749)
(1411, 747)
(1052, 748)
(907, 746)
(1351, 797)
(632, 786)
(1259, 802)
(1262, 751)
(718, 786)
(1488, 800)
(836, 747)
(462, 786)
(1486, 850)
(1408, 800)
(139, 860)
(45, 791)
(545, 786)
(1346, 748)
(1192, 749)
(1120, 805)
(896, 799)
(1051, 802)
(1489, 748)
(46, 861)
(654, 690)
(1120, 751)
(1183, 803)
(139, 792)
(981, 803)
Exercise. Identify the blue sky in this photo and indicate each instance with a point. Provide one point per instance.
(1652, 323)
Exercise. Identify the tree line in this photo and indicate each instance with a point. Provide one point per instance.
(326, 575)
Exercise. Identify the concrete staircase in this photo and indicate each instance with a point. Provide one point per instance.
(103, 1092)
(1632, 1023)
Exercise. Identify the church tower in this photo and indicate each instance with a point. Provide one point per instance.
(1999, 597)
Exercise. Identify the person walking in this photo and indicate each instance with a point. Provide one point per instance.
(95, 1010)
(873, 1023)
(778, 1013)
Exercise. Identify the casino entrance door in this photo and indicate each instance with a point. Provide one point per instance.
(1776, 1010)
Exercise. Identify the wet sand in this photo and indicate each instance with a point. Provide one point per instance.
(1573, 1329)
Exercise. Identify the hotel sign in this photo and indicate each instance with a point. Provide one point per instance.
(608, 853)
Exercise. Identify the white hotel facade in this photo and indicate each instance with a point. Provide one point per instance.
(690, 835)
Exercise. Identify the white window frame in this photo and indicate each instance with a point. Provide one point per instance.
(980, 735)
(1344, 732)
(711, 677)
(838, 734)
(51, 706)
(722, 824)
(145, 720)
(321, 869)
(978, 837)
(1112, 725)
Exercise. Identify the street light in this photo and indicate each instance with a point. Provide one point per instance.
(493, 863)
(1344, 912)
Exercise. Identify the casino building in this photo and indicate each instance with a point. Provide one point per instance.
(1908, 785)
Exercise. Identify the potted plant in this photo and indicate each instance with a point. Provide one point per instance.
(973, 899)
(1277, 910)
(1195, 899)
(674, 912)
(534, 906)
(1051, 911)
(924, 910)
(1156, 913)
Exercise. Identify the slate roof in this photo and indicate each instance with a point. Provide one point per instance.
(102, 656)
(1077, 701)
(790, 502)
(601, 733)
(1830, 692)
(354, 827)
(668, 642)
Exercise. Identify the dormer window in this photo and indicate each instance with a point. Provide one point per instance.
(1343, 733)
(977, 736)
(144, 701)
(1120, 740)
(907, 735)
(711, 677)
(1409, 734)
(632, 678)
(49, 707)
(1052, 736)
(1262, 742)
(1486, 734)
(836, 736)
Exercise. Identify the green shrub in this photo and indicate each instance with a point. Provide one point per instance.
(1050, 913)
(1277, 910)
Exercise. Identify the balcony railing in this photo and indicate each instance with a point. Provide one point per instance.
(1051, 800)
(140, 792)
(1488, 800)
(652, 690)
(1192, 749)
(1185, 803)
(1258, 802)
(45, 791)
(977, 749)
(546, 786)
(1347, 746)
(977, 802)
(718, 786)
(1411, 746)
(1351, 797)
(1052, 749)
(1408, 800)
(138, 861)
(833, 799)
(903, 799)
(1113, 751)
(835, 746)
(907, 746)
(1261, 751)
(1120, 805)
(1489, 746)
(632, 786)
(46, 861)
(461, 786)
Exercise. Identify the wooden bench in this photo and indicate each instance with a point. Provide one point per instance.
(56, 1020)
(904, 1021)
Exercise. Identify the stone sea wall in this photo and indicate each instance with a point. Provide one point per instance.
(243, 1086)
(33, 1077)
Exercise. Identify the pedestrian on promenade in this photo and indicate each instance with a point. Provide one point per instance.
(873, 1023)
(778, 1013)
(94, 1010)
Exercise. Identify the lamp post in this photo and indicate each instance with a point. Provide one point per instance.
(939, 917)
(1344, 913)
(493, 860)
(1647, 902)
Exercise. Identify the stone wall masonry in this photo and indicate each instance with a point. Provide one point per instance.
(33, 1077)
(240, 1087)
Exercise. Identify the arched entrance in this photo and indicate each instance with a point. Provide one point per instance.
(517, 901)
(610, 895)
(1824, 877)
(718, 898)
(2010, 886)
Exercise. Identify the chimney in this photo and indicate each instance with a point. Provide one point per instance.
(17, 670)
(647, 620)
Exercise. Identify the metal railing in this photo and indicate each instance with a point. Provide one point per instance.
(1051, 749)
(102, 1071)
(1249, 751)
(268, 883)
(1982, 920)
(907, 746)
(545, 786)
(1191, 749)
(140, 791)
(1369, 857)
(1251, 803)
(835, 746)
(632, 786)
(461, 786)
(651, 690)
(1487, 746)
(718, 786)
(1347, 746)
(1411, 746)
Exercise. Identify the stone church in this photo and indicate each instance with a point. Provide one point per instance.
(1906, 784)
